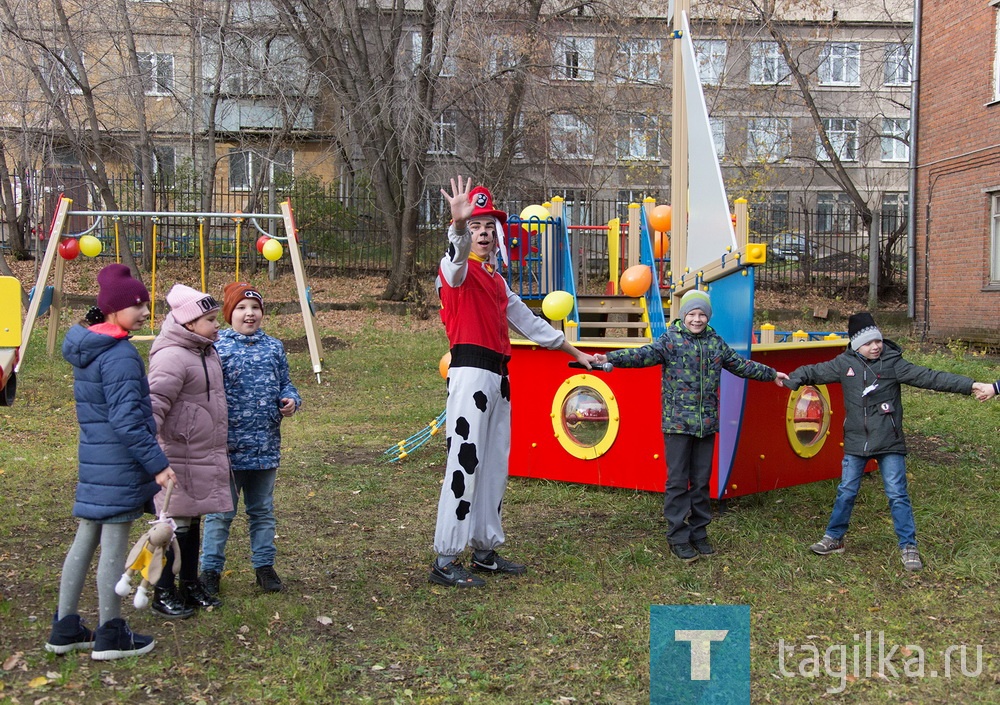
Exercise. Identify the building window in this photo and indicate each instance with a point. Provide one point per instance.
(638, 137)
(157, 73)
(62, 72)
(768, 139)
(840, 64)
(448, 66)
(434, 210)
(639, 61)
(843, 135)
(571, 137)
(711, 57)
(767, 65)
(898, 64)
(444, 134)
(995, 238)
(247, 168)
(503, 56)
(895, 139)
(718, 126)
(834, 213)
(496, 130)
(770, 216)
(895, 214)
(573, 59)
(996, 53)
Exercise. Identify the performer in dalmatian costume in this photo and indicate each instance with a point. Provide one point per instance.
(477, 307)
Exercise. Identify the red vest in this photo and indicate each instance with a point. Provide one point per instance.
(475, 313)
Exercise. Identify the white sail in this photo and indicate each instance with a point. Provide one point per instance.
(710, 227)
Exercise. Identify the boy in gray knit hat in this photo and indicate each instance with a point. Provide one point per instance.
(871, 372)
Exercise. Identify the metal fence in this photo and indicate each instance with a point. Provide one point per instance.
(822, 251)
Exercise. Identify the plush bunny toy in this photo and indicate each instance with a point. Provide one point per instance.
(148, 557)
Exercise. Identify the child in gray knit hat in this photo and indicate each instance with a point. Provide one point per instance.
(871, 372)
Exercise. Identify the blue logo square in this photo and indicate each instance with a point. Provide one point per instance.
(699, 654)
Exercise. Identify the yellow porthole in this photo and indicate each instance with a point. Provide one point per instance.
(585, 416)
(807, 420)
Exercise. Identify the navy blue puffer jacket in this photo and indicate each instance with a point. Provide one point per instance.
(119, 455)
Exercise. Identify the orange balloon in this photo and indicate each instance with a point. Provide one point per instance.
(635, 280)
(661, 244)
(659, 218)
(444, 364)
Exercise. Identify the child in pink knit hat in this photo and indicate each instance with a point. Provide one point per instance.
(189, 405)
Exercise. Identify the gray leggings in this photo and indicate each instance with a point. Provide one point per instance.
(113, 539)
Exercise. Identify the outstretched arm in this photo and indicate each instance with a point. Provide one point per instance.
(984, 391)
(583, 358)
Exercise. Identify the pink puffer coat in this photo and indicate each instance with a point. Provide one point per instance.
(189, 405)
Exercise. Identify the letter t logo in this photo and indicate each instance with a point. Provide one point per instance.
(701, 649)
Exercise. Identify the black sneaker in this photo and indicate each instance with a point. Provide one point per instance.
(268, 579)
(167, 604)
(210, 580)
(493, 563)
(702, 546)
(69, 634)
(114, 640)
(192, 593)
(454, 575)
(684, 551)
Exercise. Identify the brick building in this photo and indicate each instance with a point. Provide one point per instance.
(956, 238)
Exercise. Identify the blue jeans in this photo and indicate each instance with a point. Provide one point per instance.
(892, 466)
(257, 487)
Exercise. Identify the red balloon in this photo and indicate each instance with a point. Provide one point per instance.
(261, 241)
(69, 248)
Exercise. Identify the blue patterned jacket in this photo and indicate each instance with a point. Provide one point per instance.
(692, 370)
(256, 374)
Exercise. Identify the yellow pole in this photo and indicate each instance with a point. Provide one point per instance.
(118, 249)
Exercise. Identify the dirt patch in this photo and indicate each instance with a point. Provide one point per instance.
(297, 345)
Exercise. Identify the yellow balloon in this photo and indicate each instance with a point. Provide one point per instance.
(557, 305)
(539, 212)
(90, 246)
(272, 250)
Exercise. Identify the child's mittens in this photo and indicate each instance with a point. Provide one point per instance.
(141, 600)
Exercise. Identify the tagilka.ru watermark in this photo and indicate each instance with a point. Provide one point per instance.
(869, 655)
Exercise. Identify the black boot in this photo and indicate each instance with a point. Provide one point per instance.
(193, 594)
(167, 604)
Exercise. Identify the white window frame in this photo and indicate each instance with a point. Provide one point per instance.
(898, 65)
(768, 66)
(573, 59)
(995, 237)
(718, 126)
(639, 60)
(711, 57)
(449, 67)
(497, 133)
(843, 135)
(769, 139)
(895, 139)
(157, 73)
(444, 134)
(840, 64)
(996, 51)
(570, 137)
(834, 213)
(63, 73)
(638, 137)
(252, 164)
(503, 56)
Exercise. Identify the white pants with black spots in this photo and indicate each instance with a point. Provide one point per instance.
(478, 437)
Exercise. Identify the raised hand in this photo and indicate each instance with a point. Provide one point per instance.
(458, 201)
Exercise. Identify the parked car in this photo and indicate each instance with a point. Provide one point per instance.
(790, 247)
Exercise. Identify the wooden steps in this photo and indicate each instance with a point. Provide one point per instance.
(605, 318)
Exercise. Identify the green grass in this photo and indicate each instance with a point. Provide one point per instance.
(361, 624)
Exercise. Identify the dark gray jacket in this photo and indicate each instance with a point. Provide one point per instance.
(873, 422)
